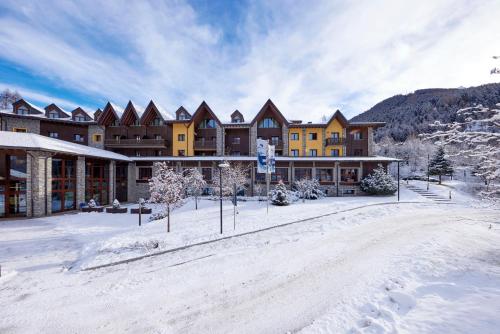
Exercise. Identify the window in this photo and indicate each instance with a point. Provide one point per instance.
(294, 136)
(324, 174)
(275, 140)
(22, 111)
(145, 173)
(116, 123)
(207, 124)
(303, 173)
(235, 153)
(236, 140)
(53, 135)
(137, 123)
(137, 153)
(158, 153)
(97, 181)
(53, 114)
(349, 175)
(335, 135)
(63, 184)
(281, 174)
(358, 152)
(313, 136)
(294, 153)
(181, 137)
(96, 138)
(334, 153)
(156, 121)
(117, 137)
(19, 130)
(313, 152)
(357, 135)
(158, 137)
(268, 123)
(78, 138)
(181, 153)
(138, 137)
(236, 120)
(79, 118)
(182, 116)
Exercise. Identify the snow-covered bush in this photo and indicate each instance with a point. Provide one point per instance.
(379, 183)
(194, 184)
(235, 174)
(279, 195)
(116, 204)
(92, 203)
(309, 189)
(158, 216)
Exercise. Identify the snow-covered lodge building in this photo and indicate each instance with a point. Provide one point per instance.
(52, 160)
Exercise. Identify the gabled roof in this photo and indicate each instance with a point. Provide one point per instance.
(35, 109)
(269, 105)
(180, 111)
(80, 110)
(154, 109)
(97, 113)
(60, 110)
(338, 115)
(237, 113)
(110, 111)
(131, 110)
(204, 107)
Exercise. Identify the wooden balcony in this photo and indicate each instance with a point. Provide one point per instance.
(334, 141)
(278, 144)
(205, 144)
(136, 143)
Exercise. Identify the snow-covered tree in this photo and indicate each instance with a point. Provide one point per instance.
(440, 165)
(166, 188)
(379, 182)
(308, 189)
(7, 97)
(279, 195)
(194, 184)
(474, 142)
(235, 174)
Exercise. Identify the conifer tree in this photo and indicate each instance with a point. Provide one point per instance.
(439, 164)
(379, 183)
(279, 195)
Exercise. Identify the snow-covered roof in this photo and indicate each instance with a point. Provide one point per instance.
(118, 110)
(164, 113)
(37, 108)
(67, 113)
(139, 109)
(32, 141)
(240, 158)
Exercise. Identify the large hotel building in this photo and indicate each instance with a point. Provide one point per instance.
(53, 160)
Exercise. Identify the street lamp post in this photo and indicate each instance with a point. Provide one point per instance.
(221, 166)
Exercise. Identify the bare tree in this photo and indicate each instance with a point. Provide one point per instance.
(234, 175)
(194, 184)
(7, 97)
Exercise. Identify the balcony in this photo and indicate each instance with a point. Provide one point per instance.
(334, 141)
(136, 143)
(278, 144)
(205, 144)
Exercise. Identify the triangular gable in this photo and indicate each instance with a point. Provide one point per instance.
(131, 114)
(97, 113)
(199, 112)
(80, 111)
(60, 112)
(237, 114)
(109, 115)
(150, 113)
(180, 111)
(32, 109)
(269, 105)
(340, 117)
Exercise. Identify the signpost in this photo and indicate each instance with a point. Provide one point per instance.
(266, 163)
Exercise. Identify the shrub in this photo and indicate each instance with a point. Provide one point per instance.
(279, 195)
(379, 183)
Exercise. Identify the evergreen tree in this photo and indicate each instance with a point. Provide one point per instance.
(379, 183)
(279, 195)
(439, 165)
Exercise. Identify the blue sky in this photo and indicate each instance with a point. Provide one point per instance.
(309, 57)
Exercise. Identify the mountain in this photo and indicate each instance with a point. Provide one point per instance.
(411, 114)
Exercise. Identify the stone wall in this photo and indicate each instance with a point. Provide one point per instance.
(370, 141)
(40, 183)
(131, 184)
(253, 140)
(31, 125)
(284, 135)
(96, 129)
(219, 140)
(80, 181)
(112, 174)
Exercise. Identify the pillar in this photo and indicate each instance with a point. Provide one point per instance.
(40, 185)
(80, 181)
(131, 183)
(112, 183)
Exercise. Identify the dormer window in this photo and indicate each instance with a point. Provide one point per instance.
(137, 122)
(207, 124)
(116, 123)
(22, 111)
(183, 116)
(79, 118)
(156, 121)
(267, 123)
(53, 114)
(236, 120)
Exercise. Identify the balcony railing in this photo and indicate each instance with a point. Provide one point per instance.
(334, 141)
(205, 144)
(159, 143)
(277, 143)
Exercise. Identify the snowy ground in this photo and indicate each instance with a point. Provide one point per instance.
(411, 267)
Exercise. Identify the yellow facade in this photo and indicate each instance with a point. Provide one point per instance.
(316, 144)
(295, 144)
(187, 144)
(334, 126)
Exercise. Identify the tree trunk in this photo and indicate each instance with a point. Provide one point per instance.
(439, 178)
(196, 201)
(168, 218)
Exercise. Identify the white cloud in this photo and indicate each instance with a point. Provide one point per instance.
(309, 57)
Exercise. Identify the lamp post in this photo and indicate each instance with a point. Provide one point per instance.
(221, 166)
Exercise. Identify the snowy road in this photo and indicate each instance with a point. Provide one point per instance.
(313, 277)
